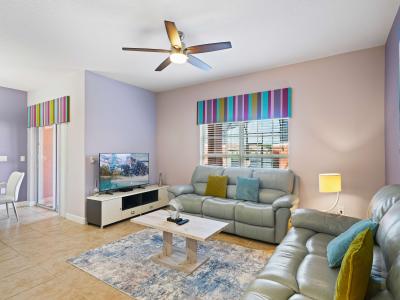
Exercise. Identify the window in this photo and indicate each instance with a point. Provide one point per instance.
(255, 144)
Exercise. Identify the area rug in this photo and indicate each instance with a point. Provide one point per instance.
(125, 264)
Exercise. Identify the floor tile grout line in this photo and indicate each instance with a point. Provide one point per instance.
(13, 273)
(29, 287)
(23, 291)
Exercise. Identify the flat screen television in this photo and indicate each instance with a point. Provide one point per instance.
(123, 171)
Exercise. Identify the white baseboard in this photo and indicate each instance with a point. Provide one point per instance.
(75, 218)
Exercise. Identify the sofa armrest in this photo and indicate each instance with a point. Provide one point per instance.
(321, 221)
(287, 201)
(177, 190)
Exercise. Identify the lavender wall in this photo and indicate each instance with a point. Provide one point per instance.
(392, 104)
(119, 118)
(13, 134)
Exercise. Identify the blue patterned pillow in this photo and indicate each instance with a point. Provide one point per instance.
(337, 247)
(247, 188)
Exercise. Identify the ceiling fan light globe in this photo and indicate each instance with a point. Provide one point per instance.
(178, 58)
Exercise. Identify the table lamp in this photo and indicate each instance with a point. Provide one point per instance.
(330, 183)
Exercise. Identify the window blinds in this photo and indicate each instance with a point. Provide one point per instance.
(255, 144)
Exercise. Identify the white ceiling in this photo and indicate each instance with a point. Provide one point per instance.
(40, 39)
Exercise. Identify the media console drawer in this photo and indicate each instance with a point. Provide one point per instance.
(129, 213)
(102, 210)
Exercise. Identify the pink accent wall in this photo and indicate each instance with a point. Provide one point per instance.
(337, 124)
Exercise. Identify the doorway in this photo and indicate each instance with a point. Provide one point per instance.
(47, 167)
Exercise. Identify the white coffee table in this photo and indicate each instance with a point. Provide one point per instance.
(197, 229)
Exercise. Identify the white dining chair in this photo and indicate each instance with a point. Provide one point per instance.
(12, 190)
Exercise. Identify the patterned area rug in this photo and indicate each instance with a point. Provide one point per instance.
(126, 265)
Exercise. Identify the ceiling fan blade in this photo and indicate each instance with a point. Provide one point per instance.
(173, 34)
(209, 47)
(198, 63)
(164, 64)
(145, 50)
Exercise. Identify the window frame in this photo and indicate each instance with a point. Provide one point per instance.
(242, 156)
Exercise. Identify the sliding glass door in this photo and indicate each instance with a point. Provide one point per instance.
(47, 167)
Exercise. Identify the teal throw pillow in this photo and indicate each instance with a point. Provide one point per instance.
(247, 188)
(337, 247)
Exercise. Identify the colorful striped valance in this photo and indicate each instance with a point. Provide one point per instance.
(55, 111)
(254, 106)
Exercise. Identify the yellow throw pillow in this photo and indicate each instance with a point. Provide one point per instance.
(216, 186)
(352, 281)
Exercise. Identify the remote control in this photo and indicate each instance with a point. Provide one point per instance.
(182, 221)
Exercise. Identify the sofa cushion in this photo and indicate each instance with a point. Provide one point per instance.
(258, 214)
(247, 189)
(268, 196)
(383, 200)
(394, 278)
(231, 191)
(388, 237)
(276, 179)
(262, 289)
(220, 208)
(298, 237)
(317, 244)
(200, 177)
(384, 295)
(234, 173)
(338, 246)
(216, 186)
(322, 222)
(316, 280)
(200, 188)
(292, 259)
(201, 173)
(191, 203)
(266, 234)
(283, 265)
(352, 281)
(377, 281)
(177, 190)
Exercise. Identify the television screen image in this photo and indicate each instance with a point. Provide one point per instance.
(123, 170)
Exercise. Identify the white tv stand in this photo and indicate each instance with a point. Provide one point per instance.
(105, 209)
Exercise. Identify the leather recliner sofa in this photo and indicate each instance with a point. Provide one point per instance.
(265, 220)
(298, 269)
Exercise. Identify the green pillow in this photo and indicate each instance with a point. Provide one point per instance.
(353, 277)
(216, 186)
(247, 188)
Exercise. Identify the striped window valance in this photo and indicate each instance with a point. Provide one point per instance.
(55, 111)
(255, 106)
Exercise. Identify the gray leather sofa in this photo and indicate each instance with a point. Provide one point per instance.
(298, 269)
(266, 220)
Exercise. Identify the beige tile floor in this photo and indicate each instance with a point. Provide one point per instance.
(33, 255)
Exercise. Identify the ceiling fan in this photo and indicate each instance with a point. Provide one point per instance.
(179, 53)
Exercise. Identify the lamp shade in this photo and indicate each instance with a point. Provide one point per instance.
(330, 183)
